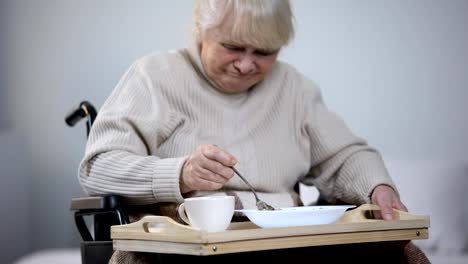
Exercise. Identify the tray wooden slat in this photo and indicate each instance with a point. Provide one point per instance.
(267, 244)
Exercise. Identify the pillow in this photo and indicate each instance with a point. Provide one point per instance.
(437, 189)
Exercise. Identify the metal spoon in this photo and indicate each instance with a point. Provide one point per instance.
(261, 205)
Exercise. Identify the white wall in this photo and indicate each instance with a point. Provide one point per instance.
(3, 88)
(16, 221)
(394, 69)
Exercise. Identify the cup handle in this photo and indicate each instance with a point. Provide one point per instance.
(182, 214)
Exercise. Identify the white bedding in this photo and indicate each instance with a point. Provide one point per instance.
(56, 255)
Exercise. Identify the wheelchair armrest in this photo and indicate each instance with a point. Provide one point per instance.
(107, 210)
(96, 202)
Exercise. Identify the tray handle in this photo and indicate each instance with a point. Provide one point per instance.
(363, 214)
(155, 224)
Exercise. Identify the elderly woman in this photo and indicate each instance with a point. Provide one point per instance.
(177, 122)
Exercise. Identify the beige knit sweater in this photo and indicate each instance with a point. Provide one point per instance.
(280, 132)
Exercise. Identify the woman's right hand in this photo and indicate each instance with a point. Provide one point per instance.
(207, 168)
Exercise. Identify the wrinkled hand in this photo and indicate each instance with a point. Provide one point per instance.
(208, 168)
(386, 198)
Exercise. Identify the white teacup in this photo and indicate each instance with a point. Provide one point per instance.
(211, 214)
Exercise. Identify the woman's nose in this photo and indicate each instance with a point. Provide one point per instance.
(245, 65)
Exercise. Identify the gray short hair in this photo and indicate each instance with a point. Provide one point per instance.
(266, 24)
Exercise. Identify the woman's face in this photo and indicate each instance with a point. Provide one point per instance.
(234, 67)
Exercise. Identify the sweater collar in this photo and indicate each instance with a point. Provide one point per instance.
(195, 56)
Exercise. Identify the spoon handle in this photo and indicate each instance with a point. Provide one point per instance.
(245, 181)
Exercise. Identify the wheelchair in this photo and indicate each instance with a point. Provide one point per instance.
(104, 211)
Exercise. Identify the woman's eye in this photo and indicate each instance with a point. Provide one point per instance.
(232, 47)
(264, 52)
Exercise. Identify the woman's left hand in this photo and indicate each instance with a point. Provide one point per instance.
(386, 198)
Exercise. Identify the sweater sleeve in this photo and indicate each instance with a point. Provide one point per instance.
(121, 153)
(344, 166)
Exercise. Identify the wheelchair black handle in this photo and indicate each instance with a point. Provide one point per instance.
(82, 110)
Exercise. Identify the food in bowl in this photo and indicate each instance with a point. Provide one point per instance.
(296, 216)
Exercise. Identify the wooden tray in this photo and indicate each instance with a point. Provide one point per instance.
(163, 235)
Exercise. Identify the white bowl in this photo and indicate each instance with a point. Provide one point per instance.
(296, 216)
